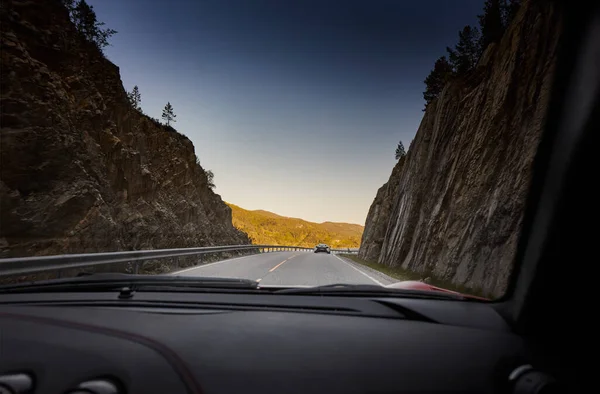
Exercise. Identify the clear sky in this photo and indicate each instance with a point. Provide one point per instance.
(296, 105)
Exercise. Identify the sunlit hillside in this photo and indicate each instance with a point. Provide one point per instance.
(264, 227)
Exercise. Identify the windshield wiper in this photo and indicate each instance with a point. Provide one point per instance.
(115, 281)
(370, 290)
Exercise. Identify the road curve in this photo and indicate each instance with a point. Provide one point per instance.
(288, 269)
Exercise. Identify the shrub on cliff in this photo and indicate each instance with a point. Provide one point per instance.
(84, 18)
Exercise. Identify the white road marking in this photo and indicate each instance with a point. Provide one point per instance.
(367, 275)
(208, 265)
(259, 279)
(277, 266)
(292, 286)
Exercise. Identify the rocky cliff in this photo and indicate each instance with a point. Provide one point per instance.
(378, 216)
(81, 171)
(457, 210)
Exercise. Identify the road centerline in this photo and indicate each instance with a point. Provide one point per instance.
(277, 266)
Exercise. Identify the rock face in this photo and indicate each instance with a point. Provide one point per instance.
(81, 171)
(456, 212)
(378, 216)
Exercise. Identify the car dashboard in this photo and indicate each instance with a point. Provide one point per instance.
(224, 343)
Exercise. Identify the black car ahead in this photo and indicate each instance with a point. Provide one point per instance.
(322, 248)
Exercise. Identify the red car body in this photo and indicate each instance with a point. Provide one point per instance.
(416, 285)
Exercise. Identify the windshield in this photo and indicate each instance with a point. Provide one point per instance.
(191, 132)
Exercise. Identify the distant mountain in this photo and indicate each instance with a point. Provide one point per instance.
(263, 213)
(264, 227)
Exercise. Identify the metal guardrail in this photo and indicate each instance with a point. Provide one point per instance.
(35, 264)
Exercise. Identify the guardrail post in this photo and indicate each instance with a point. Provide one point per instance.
(136, 267)
(59, 274)
(199, 259)
(176, 262)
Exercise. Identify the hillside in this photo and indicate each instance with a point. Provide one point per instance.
(264, 227)
(453, 206)
(80, 169)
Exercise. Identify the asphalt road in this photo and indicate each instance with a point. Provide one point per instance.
(290, 269)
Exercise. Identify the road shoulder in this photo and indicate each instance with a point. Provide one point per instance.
(373, 273)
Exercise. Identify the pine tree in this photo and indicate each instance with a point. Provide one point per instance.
(491, 23)
(437, 78)
(70, 4)
(135, 98)
(465, 54)
(168, 115)
(400, 152)
(210, 179)
(84, 18)
(508, 9)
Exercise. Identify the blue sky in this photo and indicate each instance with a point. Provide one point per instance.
(296, 106)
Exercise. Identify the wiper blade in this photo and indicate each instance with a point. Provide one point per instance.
(114, 281)
(369, 290)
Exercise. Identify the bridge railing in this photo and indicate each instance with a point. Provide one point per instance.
(134, 259)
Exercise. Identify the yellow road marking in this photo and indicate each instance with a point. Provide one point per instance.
(277, 266)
